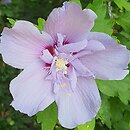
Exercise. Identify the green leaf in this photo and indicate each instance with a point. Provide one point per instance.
(114, 114)
(106, 87)
(124, 39)
(116, 88)
(76, 1)
(11, 21)
(116, 109)
(48, 117)
(88, 126)
(101, 23)
(118, 114)
(122, 125)
(41, 23)
(124, 21)
(104, 113)
(123, 4)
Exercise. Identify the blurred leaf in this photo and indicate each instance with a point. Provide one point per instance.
(104, 113)
(127, 117)
(48, 117)
(124, 21)
(112, 112)
(106, 87)
(124, 38)
(122, 125)
(116, 110)
(116, 88)
(11, 21)
(123, 4)
(101, 23)
(88, 126)
(41, 23)
(76, 1)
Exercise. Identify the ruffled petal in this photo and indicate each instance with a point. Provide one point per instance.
(73, 47)
(22, 44)
(80, 106)
(71, 21)
(110, 64)
(91, 15)
(95, 45)
(81, 69)
(105, 39)
(30, 91)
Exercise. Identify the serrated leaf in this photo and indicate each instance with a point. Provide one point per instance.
(11, 21)
(112, 114)
(116, 88)
(117, 110)
(124, 39)
(106, 88)
(48, 117)
(123, 4)
(101, 23)
(124, 21)
(88, 126)
(104, 113)
(76, 1)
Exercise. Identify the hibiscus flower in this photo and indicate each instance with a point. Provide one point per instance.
(61, 64)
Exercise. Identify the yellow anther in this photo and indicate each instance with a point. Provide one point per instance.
(61, 64)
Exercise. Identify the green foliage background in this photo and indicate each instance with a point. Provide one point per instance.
(113, 19)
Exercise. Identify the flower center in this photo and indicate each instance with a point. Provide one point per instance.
(61, 65)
